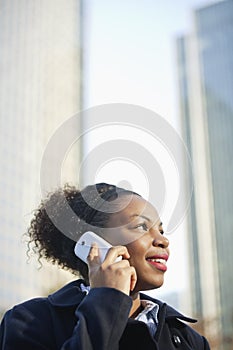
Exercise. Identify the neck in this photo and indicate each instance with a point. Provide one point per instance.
(136, 306)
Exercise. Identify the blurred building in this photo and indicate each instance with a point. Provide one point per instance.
(40, 88)
(205, 71)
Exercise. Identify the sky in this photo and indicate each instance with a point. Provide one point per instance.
(130, 51)
(130, 57)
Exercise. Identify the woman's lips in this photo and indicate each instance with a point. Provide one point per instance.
(158, 261)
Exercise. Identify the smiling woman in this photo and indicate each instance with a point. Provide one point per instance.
(105, 308)
(140, 229)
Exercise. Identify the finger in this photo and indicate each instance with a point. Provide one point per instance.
(124, 263)
(114, 252)
(93, 255)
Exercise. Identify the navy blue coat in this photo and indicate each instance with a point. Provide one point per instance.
(71, 320)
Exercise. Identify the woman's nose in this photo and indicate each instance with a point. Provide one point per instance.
(160, 240)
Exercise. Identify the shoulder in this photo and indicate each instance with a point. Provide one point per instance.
(40, 308)
(33, 318)
(28, 308)
(25, 317)
(23, 322)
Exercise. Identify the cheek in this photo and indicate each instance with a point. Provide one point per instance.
(137, 251)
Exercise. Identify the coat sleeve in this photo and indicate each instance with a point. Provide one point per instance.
(102, 317)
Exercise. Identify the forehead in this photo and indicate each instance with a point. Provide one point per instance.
(132, 207)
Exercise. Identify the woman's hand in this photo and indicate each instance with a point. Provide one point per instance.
(119, 275)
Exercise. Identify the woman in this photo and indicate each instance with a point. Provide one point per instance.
(105, 309)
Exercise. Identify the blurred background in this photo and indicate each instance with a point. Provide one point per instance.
(174, 58)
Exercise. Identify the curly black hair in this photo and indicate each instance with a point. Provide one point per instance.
(45, 235)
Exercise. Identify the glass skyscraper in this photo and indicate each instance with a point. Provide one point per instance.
(40, 69)
(205, 72)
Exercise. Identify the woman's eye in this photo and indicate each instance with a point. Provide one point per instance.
(162, 232)
(143, 226)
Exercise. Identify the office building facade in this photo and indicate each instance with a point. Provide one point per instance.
(205, 73)
(40, 88)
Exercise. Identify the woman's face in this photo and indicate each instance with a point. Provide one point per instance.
(139, 228)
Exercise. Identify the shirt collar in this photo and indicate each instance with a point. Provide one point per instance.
(146, 314)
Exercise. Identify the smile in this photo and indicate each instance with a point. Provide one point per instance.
(162, 261)
(158, 262)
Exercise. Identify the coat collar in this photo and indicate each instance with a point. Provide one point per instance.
(71, 296)
(170, 312)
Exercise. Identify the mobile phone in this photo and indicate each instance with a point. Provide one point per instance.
(82, 247)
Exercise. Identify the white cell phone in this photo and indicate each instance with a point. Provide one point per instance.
(82, 247)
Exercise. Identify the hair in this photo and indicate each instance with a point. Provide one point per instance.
(47, 240)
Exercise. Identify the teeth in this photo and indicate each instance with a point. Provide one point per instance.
(161, 261)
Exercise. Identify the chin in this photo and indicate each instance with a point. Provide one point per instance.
(156, 284)
(148, 286)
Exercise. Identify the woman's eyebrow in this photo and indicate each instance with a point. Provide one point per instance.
(140, 216)
(145, 217)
